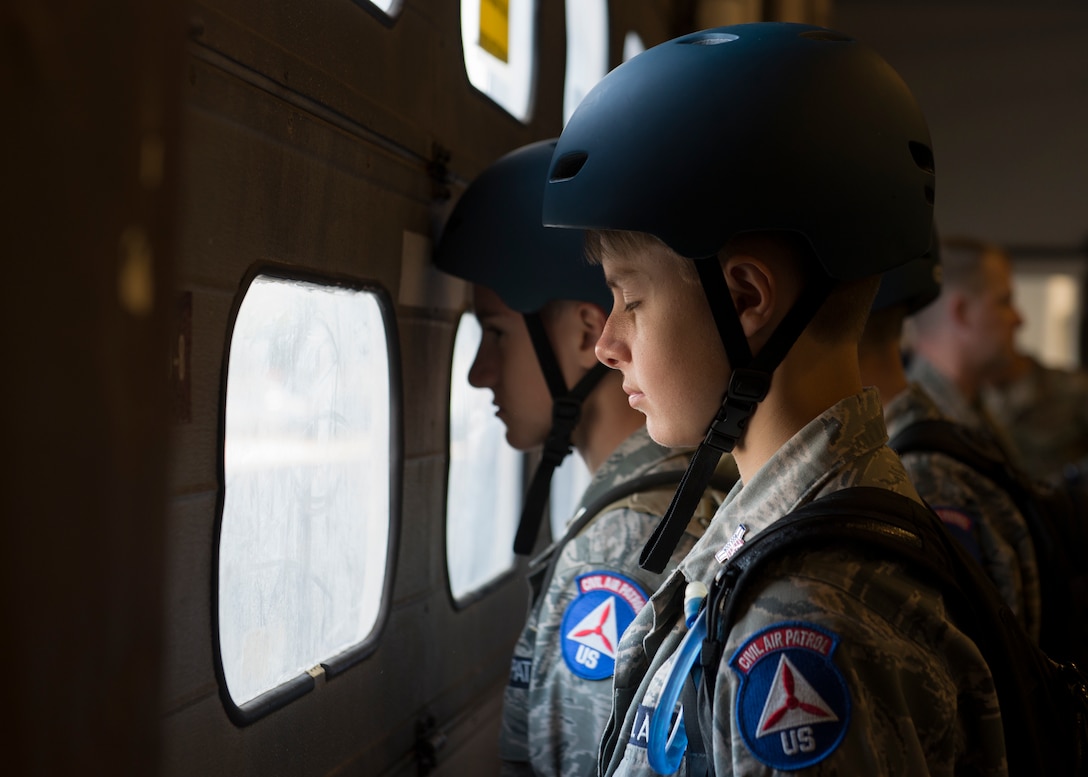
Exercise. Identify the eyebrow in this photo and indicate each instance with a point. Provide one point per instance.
(622, 272)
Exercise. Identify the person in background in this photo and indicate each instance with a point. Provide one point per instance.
(744, 188)
(965, 338)
(542, 307)
(974, 510)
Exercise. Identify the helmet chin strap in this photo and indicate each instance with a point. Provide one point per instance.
(748, 386)
(566, 412)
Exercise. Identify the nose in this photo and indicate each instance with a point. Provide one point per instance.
(482, 372)
(610, 349)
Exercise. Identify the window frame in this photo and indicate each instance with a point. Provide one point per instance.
(283, 694)
(534, 68)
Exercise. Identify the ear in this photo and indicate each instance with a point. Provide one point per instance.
(755, 292)
(959, 309)
(591, 320)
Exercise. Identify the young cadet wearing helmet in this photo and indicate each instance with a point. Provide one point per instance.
(787, 166)
(983, 518)
(536, 294)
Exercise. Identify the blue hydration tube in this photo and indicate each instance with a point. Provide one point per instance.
(665, 748)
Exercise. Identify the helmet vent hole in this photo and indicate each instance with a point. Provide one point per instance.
(568, 166)
(711, 38)
(923, 156)
(828, 36)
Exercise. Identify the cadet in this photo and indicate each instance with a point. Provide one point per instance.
(965, 338)
(981, 516)
(535, 292)
(781, 168)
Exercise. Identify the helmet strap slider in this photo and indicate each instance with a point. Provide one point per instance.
(747, 388)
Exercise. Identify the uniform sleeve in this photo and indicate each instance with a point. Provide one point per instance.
(817, 681)
(514, 732)
(595, 593)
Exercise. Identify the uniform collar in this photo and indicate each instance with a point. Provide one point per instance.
(944, 393)
(823, 456)
(909, 406)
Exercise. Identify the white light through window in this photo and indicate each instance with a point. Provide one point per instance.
(632, 45)
(304, 542)
(587, 50)
(1050, 304)
(568, 485)
(497, 37)
(483, 498)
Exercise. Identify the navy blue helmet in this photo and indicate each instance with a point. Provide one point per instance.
(755, 127)
(495, 238)
(914, 284)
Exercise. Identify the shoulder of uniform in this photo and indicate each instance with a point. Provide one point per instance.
(656, 501)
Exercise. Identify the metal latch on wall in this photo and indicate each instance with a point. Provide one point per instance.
(429, 740)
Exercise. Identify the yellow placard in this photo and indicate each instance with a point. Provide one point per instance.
(495, 28)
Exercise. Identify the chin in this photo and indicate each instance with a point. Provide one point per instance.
(522, 440)
(671, 437)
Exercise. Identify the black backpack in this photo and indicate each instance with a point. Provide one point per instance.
(1044, 705)
(1056, 514)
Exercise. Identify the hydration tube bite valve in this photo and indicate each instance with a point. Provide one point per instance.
(667, 744)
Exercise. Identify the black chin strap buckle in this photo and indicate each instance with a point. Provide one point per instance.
(566, 412)
(747, 388)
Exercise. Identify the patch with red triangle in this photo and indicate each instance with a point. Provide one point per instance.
(594, 622)
(793, 705)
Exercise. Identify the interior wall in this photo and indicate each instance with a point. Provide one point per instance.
(1004, 86)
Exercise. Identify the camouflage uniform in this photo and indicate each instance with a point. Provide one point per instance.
(977, 513)
(1046, 414)
(869, 676)
(559, 694)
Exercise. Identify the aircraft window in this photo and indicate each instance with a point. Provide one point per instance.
(632, 45)
(497, 37)
(587, 50)
(483, 492)
(568, 484)
(304, 543)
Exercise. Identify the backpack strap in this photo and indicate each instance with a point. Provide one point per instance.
(881, 523)
(1057, 523)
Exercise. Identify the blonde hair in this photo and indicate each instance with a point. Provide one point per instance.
(623, 243)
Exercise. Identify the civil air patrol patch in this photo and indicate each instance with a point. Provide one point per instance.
(961, 526)
(594, 622)
(793, 706)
